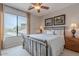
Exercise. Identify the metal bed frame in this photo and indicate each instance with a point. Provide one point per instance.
(33, 42)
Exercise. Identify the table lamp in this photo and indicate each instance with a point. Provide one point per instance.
(73, 29)
(41, 29)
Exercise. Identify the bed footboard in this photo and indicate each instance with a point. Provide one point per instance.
(35, 46)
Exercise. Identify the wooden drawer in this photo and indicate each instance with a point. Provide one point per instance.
(72, 44)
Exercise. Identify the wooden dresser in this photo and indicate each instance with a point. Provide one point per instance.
(72, 43)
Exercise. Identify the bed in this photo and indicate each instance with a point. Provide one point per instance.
(45, 44)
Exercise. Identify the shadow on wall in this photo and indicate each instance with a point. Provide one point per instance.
(12, 41)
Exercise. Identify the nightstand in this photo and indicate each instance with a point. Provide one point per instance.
(72, 43)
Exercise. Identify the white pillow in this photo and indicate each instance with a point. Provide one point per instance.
(59, 32)
(48, 31)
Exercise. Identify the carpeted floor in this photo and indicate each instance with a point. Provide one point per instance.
(15, 51)
(19, 51)
(69, 53)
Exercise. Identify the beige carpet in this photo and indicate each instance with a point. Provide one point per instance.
(15, 51)
(69, 53)
(19, 51)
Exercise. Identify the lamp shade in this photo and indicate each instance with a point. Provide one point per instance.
(73, 26)
(41, 27)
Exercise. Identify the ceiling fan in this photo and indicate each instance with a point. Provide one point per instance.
(38, 6)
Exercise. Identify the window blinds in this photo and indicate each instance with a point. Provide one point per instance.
(11, 10)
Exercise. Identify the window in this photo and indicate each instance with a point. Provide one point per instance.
(14, 25)
(22, 28)
(10, 25)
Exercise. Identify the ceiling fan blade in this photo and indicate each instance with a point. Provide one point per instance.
(44, 7)
(30, 8)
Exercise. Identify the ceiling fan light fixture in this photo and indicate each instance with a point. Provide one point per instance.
(37, 7)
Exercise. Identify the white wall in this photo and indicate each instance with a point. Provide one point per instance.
(71, 12)
(72, 16)
(35, 23)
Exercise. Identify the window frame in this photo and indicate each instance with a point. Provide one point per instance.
(17, 22)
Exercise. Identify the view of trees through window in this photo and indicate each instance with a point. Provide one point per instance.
(14, 25)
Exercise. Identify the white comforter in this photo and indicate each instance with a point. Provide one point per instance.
(55, 42)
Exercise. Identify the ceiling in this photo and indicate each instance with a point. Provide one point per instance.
(52, 7)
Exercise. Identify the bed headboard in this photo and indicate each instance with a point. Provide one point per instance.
(54, 28)
(57, 29)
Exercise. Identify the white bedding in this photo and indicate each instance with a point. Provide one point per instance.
(55, 42)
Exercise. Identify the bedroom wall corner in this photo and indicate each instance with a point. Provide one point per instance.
(28, 23)
(35, 23)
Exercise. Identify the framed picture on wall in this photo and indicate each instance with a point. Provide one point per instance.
(49, 22)
(59, 20)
